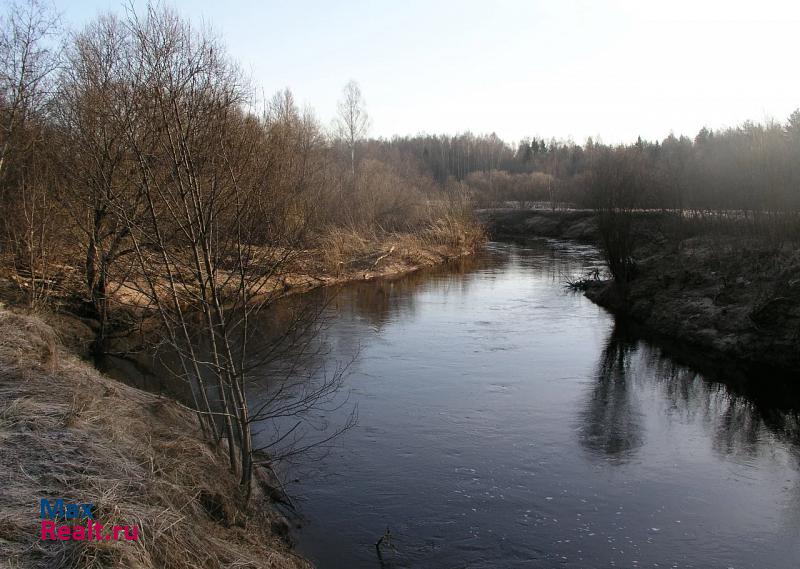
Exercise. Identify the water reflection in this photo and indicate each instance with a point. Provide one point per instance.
(611, 420)
(504, 422)
(385, 301)
(631, 370)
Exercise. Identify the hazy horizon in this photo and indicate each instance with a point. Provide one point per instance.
(615, 69)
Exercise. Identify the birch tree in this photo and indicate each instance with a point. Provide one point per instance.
(352, 124)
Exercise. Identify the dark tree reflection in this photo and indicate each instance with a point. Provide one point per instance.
(611, 424)
(740, 411)
(742, 416)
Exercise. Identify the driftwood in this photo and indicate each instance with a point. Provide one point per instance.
(382, 257)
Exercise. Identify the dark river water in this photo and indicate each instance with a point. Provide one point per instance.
(506, 422)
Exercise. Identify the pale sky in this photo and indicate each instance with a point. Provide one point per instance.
(563, 68)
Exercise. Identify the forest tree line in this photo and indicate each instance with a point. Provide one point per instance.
(750, 168)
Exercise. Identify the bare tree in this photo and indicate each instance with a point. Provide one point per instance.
(352, 124)
(27, 62)
(95, 120)
(206, 261)
(294, 162)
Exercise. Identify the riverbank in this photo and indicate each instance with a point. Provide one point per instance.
(349, 256)
(715, 289)
(509, 223)
(338, 257)
(738, 297)
(68, 432)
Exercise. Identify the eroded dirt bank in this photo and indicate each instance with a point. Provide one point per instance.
(68, 432)
(714, 289)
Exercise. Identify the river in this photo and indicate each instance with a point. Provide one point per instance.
(504, 421)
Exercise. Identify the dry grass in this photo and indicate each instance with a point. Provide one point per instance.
(338, 255)
(66, 431)
(346, 251)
